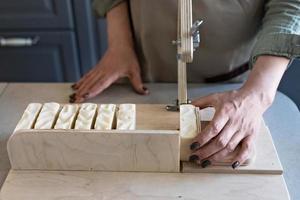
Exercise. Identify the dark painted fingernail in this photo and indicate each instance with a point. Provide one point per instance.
(72, 96)
(74, 86)
(194, 158)
(85, 95)
(145, 88)
(205, 163)
(194, 146)
(72, 100)
(235, 164)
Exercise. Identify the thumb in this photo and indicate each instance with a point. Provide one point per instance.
(206, 101)
(137, 84)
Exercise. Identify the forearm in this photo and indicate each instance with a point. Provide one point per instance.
(264, 79)
(118, 27)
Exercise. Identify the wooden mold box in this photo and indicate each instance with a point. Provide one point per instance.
(152, 147)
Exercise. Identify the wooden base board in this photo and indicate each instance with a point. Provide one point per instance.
(51, 185)
(266, 159)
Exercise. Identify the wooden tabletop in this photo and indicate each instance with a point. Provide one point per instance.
(119, 185)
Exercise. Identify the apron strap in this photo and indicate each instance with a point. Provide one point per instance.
(227, 76)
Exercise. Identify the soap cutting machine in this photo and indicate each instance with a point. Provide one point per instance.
(144, 143)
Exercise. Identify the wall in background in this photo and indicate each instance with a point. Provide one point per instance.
(290, 84)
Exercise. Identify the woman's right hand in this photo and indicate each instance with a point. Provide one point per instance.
(116, 63)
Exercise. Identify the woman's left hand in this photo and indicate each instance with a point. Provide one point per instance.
(236, 122)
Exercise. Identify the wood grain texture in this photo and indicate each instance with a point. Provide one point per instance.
(156, 117)
(152, 151)
(186, 47)
(266, 160)
(36, 185)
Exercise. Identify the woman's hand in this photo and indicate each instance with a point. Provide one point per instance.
(238, 114)
(119, 61)
(116, 63)
(236, 122)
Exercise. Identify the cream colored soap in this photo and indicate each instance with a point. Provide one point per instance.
(126, 117)
(66, 116)
(29, 116)
(189, 128)
(47, 116)
(105, 117)
(86, 116)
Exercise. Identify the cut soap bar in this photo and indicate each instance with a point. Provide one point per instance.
(47, 116)
(66, 116)
(189, 128)
(29, 116)
(105, 117)
(85, 116)
(126, 117)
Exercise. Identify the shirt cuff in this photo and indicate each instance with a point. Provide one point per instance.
(101, 7)
(279, 44)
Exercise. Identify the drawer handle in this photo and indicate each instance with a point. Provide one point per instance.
(18, 42)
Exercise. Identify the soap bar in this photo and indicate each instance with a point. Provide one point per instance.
(47, 116)
(66, 116)
(105, 117)
(29, 116)
(126, 117)
(189, 128)
(86, 116)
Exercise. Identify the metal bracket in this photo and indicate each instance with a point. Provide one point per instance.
(196, 33)
(175, 107)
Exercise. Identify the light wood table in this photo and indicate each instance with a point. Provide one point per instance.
(119, 185)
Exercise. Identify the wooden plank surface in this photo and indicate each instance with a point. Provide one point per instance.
(266, 160)
(34, 185)
(156, 117)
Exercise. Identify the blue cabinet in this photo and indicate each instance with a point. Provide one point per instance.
(36, 14)
(52, 58)
(46, 40)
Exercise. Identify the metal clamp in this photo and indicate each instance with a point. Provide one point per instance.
(175, 107)
(196, 33)
(18, 42)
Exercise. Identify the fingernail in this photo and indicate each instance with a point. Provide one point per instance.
(74, 86)
(194, 146)
(145, 88)
(146, 91)
(194, 158)
(72, 100)
(72, 96)
(235, 164)
(205, 163)
(85, 95)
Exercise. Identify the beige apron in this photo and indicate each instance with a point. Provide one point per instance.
(227, 37)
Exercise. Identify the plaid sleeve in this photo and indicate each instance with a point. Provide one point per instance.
(280, 31)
